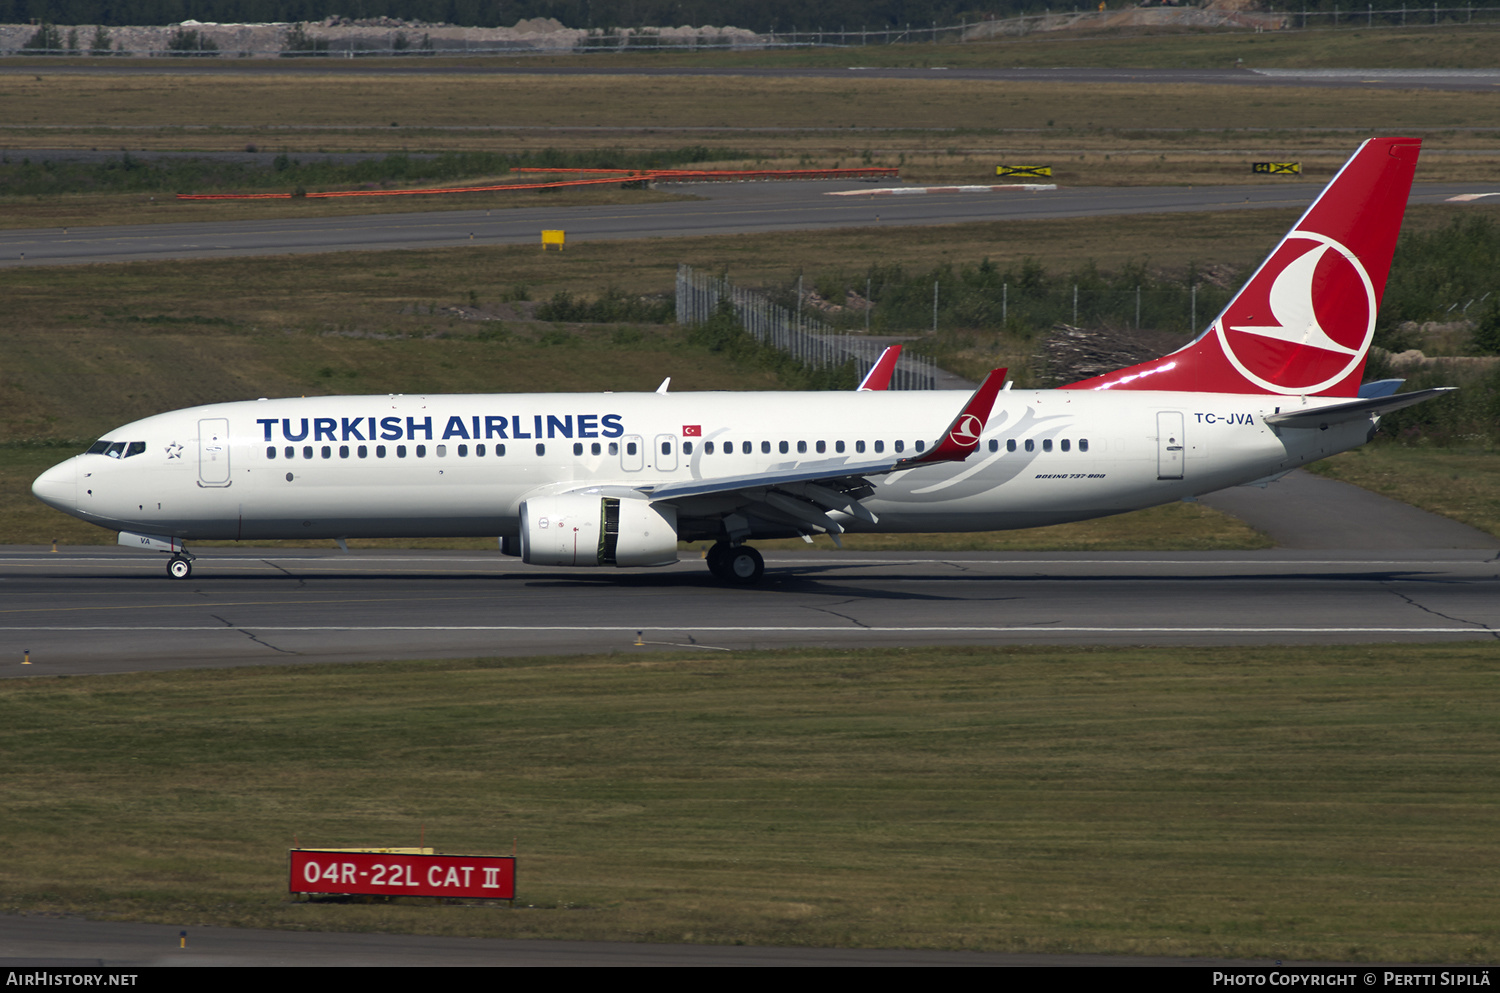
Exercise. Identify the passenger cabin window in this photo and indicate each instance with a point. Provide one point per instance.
(541, 449)
(994, 444)
(879, 447)
(708, 448)
(1010, 444)
(783, 448)
(1083, 444)
(859, 447)
(1065, 444)
(577, 448)
(765, 448)
(1030, 445)
(1046, 444)
(900, 447)
(747, 447)
(801, 448)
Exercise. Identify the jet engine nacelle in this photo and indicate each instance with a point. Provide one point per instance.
(590, 529)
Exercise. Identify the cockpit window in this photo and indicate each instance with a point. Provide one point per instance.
(117, 449)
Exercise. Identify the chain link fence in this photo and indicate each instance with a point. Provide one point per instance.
(807, 340)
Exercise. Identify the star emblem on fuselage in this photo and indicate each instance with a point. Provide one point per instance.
(174, 451)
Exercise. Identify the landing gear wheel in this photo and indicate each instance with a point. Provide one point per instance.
(718, 560)
(744, 565)
(179, 567)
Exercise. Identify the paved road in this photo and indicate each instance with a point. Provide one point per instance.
(113, 610)
(1405, 79)
(724, 208)
(37, 941)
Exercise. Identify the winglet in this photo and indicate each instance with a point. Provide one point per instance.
(879, 376)
(962, 436)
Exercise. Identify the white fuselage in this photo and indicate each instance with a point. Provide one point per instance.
(408, 466)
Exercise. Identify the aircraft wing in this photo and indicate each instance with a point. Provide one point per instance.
(1355, 409)
(879, 376)
(803, 493)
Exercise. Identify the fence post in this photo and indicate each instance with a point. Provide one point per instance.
(1194, 328)
(934, 305)
(1075, 305)
(1137, 306)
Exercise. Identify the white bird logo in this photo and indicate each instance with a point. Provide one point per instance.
(1292, 307)
(966, 431)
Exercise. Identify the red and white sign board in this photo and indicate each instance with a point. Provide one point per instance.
(488, 877)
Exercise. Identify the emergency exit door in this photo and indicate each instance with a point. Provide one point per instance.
(1170, 446)
(213, 452)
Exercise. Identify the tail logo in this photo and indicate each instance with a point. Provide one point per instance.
(1306, 319)
(966, 431)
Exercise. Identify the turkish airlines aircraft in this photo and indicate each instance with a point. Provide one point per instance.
(619, 478)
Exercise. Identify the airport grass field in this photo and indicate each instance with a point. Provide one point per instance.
(1282, 803)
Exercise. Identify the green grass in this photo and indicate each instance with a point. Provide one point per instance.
(1286, 803)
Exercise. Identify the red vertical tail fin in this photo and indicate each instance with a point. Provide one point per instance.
(1303, 323)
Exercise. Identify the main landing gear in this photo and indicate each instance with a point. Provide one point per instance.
(735, 563)
(180, 566)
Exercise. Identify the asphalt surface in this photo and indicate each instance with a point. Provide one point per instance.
(75, 944)
(724, 209)
(1304, 511)
(113, 610)
(1405, 79)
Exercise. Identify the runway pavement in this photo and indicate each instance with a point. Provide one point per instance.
(74, 945)
(107, 610)
(721, 208)
(1407, 79)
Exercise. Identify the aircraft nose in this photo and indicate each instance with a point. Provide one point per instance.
(58, 486)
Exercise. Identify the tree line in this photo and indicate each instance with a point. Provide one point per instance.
(756, 15)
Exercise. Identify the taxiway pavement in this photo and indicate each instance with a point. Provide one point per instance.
(720, 209)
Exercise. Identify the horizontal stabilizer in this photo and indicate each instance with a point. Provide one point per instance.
(1318, 417)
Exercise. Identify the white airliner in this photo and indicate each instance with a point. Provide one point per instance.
(617, 479)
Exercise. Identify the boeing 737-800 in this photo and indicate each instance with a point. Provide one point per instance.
(617, 479)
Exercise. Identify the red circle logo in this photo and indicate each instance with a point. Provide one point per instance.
(1305, 320)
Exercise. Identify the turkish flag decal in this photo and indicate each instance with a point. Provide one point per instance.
(692, 430)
